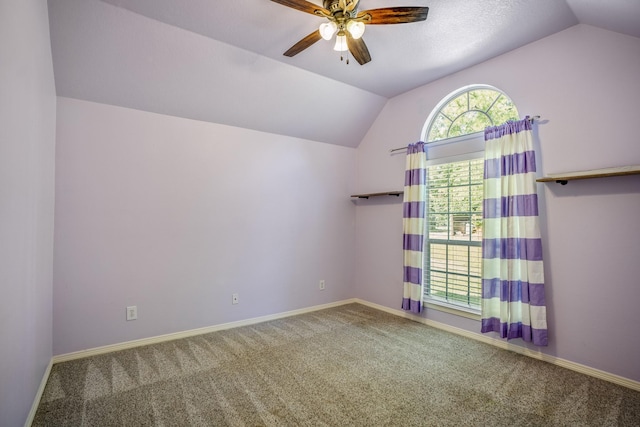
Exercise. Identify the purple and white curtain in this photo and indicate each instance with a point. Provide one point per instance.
(413, 218)
(513, 300)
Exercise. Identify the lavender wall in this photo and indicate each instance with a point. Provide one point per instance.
(174, 215)
(584, 83)
(27, 145)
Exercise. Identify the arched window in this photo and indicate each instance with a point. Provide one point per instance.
(469, 110)
(454, 226)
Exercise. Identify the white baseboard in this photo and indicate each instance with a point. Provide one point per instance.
(36, 400)
(190, 333)
(596, 373)
(583, 369)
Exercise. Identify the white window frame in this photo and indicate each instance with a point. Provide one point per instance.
(450, 150)
(436, 303)
(443, 103)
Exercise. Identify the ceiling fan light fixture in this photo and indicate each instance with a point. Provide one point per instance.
(343, 19)
(341, 42)
(328, 29)
(355, 28)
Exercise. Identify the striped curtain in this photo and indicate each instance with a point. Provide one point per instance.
(513, 300)
(413, 218)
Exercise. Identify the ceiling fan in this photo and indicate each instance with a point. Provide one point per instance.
(344, 20)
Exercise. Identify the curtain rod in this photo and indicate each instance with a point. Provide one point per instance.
(531, 119)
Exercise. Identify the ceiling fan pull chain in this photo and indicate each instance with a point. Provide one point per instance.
(342, 57)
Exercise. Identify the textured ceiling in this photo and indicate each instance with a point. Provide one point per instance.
(221, 61)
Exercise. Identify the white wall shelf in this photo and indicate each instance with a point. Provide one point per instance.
(563, 178)
(387, 193)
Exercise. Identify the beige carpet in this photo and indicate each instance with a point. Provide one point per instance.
(345, 366)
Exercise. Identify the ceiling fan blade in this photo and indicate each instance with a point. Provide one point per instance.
(303, 44)
(395, 15)
(303, 6)
(358, 49)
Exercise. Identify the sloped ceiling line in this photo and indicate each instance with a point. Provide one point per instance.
(221, 61)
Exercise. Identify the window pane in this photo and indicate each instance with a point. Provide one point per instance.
(460, 199)
(469, 112)
(439, 128)
(438, 284)
(477, 172)
(476, 227)
(482, 99)
(503, 111)
(438, 257)
(460, 230)
(453, 263)
(458, 259)
(456, 107)
(458, 291)
(475, 261)
(470, 122)
(475, 292)
(439, 226)
(458, 173)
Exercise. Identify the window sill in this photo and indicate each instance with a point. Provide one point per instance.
(457, 310)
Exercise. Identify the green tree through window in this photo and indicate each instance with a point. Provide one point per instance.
(453, 258)
(453, 250)
(471, 111)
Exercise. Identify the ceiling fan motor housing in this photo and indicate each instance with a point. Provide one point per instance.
(334, 7)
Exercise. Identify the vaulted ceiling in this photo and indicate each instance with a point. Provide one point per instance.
(221, 61)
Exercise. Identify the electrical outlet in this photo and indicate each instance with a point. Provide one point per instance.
(321, 285)
(235, 299)
(132, 312)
